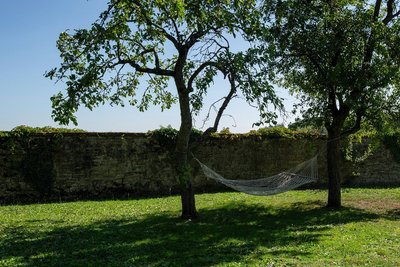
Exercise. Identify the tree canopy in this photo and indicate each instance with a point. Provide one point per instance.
(134, 49)
(342, 59)
(338, 56)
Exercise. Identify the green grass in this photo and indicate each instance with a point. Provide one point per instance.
(291, 229)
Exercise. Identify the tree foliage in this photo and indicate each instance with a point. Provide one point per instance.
(338, 56)
(132, 51)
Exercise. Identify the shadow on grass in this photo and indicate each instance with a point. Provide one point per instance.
(395, 213)
(226, 234)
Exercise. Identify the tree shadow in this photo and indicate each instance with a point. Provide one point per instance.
(395, 214)
(222, 235)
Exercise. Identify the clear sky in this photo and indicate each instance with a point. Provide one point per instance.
(29, 30)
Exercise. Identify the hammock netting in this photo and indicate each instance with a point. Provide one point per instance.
(304, 173)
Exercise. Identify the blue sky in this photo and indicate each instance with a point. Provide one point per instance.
(29, 30)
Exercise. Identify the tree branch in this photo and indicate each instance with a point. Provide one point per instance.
(212, 106)
(157, 70)
(228, 98)
(200, 69)
(137, 67)
(158, 27)
(377, 10)
(156, 58)
(178, 35)
(196, 35)
(194, 38)
(389, 15)
(332, 100)
(357, 125)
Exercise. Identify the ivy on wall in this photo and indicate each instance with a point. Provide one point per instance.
(358, 147)
(31, 151)
(167, 135)
(392, 142)
(361, 145)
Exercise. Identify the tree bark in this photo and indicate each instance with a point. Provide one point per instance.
(182, 149)
(333, 162)
(188, 201)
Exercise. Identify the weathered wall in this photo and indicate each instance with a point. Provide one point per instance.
(80, 165)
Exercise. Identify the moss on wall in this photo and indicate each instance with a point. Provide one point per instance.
(392, 142)
(31, 151)
(74, 165)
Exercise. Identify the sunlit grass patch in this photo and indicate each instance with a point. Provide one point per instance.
(234, 229)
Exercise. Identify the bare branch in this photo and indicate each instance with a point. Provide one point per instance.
(207, 118)
(212, 106)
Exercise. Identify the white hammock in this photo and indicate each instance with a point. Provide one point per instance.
(304, 173)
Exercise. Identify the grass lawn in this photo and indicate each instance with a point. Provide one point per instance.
(290, 229)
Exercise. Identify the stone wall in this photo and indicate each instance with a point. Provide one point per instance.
(84, 165)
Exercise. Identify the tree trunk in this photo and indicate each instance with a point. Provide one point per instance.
(333, 162)
(188, 201)
(182, 150)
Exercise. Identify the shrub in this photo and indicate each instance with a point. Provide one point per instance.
(167, 135)
(225, 130)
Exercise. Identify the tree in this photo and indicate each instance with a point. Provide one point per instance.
(343, 60)
(145, 44)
